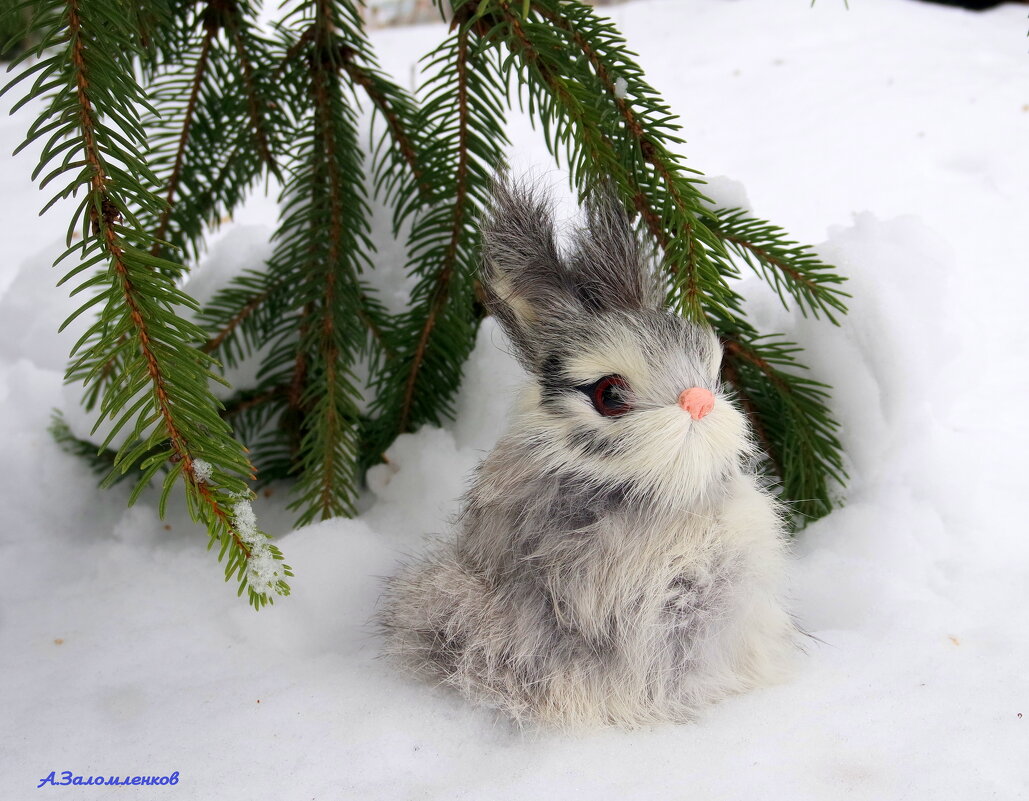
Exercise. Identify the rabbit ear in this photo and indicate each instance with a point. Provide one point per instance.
(524, 278)
(610, 269)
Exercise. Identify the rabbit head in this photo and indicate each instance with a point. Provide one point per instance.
(624, 392)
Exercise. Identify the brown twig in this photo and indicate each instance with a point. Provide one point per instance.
(180, 151)
(235, 321)
(362, 77)
(253, 107)
(734, 349)
(246, 404)
(299, 377)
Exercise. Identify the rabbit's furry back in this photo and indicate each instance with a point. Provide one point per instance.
(605, 569)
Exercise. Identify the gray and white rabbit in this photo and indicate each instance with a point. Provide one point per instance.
(614, 561)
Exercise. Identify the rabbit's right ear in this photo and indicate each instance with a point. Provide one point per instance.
(525, 281)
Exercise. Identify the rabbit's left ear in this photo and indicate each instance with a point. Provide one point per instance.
(526, 283)
(609, 267)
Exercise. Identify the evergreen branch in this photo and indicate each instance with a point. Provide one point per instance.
(250, 412)
(160, 389)
(322, 326)
(237, 316)
(104, 216)
(219, 124)
(580, 100)
(790, 418)
(398, 114)
(180, 151)
(259, 125)
(730, 374)
(242, 310)
(593, 154)
(222, 103)
(298, 376)
(243, 410)
(399, 156)
(373, 316)
(446, 269)
(103, 462)
(461, 117)
(159, 26)
(785, 265)
(331, 423)
(244, 402)
(652, 151)
(397, 127)
(157, 31)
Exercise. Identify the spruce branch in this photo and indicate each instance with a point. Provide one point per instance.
(332, 424)
(651, 148)
(153, 169)
(398, 172)
(180, 151)
(239, 22)
(103, 462)
(398, 115)
(730, 374)
(441, 288)
(462, 115)
(218, 122)
(322, 48)
(787, 266)
(250, 412)
(238, 316)
(791, 419)
(328, 318)
(161, 389)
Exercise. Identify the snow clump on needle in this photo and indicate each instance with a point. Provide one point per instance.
(264, 571)
(202, 471)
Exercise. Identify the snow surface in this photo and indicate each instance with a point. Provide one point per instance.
(894, 133)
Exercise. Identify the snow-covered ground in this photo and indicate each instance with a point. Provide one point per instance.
(895, 135)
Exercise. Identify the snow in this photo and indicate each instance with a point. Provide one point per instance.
(202, 470)
(893, 134)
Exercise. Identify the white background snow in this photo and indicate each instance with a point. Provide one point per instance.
(895, 134)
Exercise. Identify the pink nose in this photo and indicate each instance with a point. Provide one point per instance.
(697, 401)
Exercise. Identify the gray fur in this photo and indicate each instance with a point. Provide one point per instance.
(603, 570)
(522, 267)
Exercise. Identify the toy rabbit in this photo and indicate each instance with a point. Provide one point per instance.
(614, 562)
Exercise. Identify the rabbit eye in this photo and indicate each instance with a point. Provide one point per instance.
(610, 396)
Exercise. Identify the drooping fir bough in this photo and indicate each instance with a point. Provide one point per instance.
(160, 117)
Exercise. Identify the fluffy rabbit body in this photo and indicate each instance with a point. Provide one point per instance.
(614, 562)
